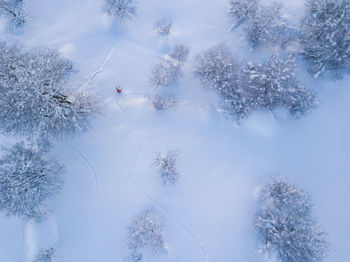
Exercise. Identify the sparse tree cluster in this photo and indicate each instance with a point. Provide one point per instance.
(35, 98)
(13, 12)
(325, 36)
(122, 9)
(166, 163)
(286, 226)
(166, 74)
(45, 255)
(264, 25)
(243, 89)
(28, 181)
(162, 26)
(147, 230)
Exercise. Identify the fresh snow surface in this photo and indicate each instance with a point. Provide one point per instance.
(109, 179)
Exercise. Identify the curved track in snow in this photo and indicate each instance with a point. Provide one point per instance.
(92, 202)
(140, 190)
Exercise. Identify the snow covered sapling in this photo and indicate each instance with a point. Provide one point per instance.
(35, 99)
(275, 84)
(242, 10)
(12, 10)
(45, 255)
(219, 70)
(162, 26)
(166, 163)
(162, 102)
(326, 36)
(28, 181)
(285, 224)
(146, 230)
(122, 9)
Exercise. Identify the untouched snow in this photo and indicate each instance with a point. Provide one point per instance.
(109, 179)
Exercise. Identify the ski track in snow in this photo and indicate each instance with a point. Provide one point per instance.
(22, 243)
(91, 204)
(140, 190)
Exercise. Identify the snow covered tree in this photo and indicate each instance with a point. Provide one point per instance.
(166, 163)
(45, 255)
(242, 10)
(326, 36)
(162, 26)
(122, 9)
(35, 98)
(170, 68)
(146, 230)
(162, 102)
(286, 226)
(219, 70)
(276, 85)
(12, 10)
(28, 181)
(266, 27)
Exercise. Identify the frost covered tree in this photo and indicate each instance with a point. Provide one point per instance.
(242, 10)
(264, 25)
(275, 84)
(45, 255)
(166, 163)
(146, 230)
(122, 9)
(35, 98)
(12, 10)
(162, 26)
(219, 70)
(28, 181)
(326, 36)
(170, 68)
(286, 226)
(162, 101)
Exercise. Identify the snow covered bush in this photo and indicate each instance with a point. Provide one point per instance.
(242, 10)
(12, 10)
(219, 70)
(326, 36)
(28, 181)
(45, 255)
(35, 98)
(146, 230)
(166, 163)
(162, 102)
(162, 26)
(170, 68)
(122, 9)
(276, 85)
(286, 226)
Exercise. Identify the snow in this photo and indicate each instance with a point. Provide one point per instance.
(109, 179)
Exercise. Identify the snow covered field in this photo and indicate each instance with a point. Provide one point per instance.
(109, 178)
